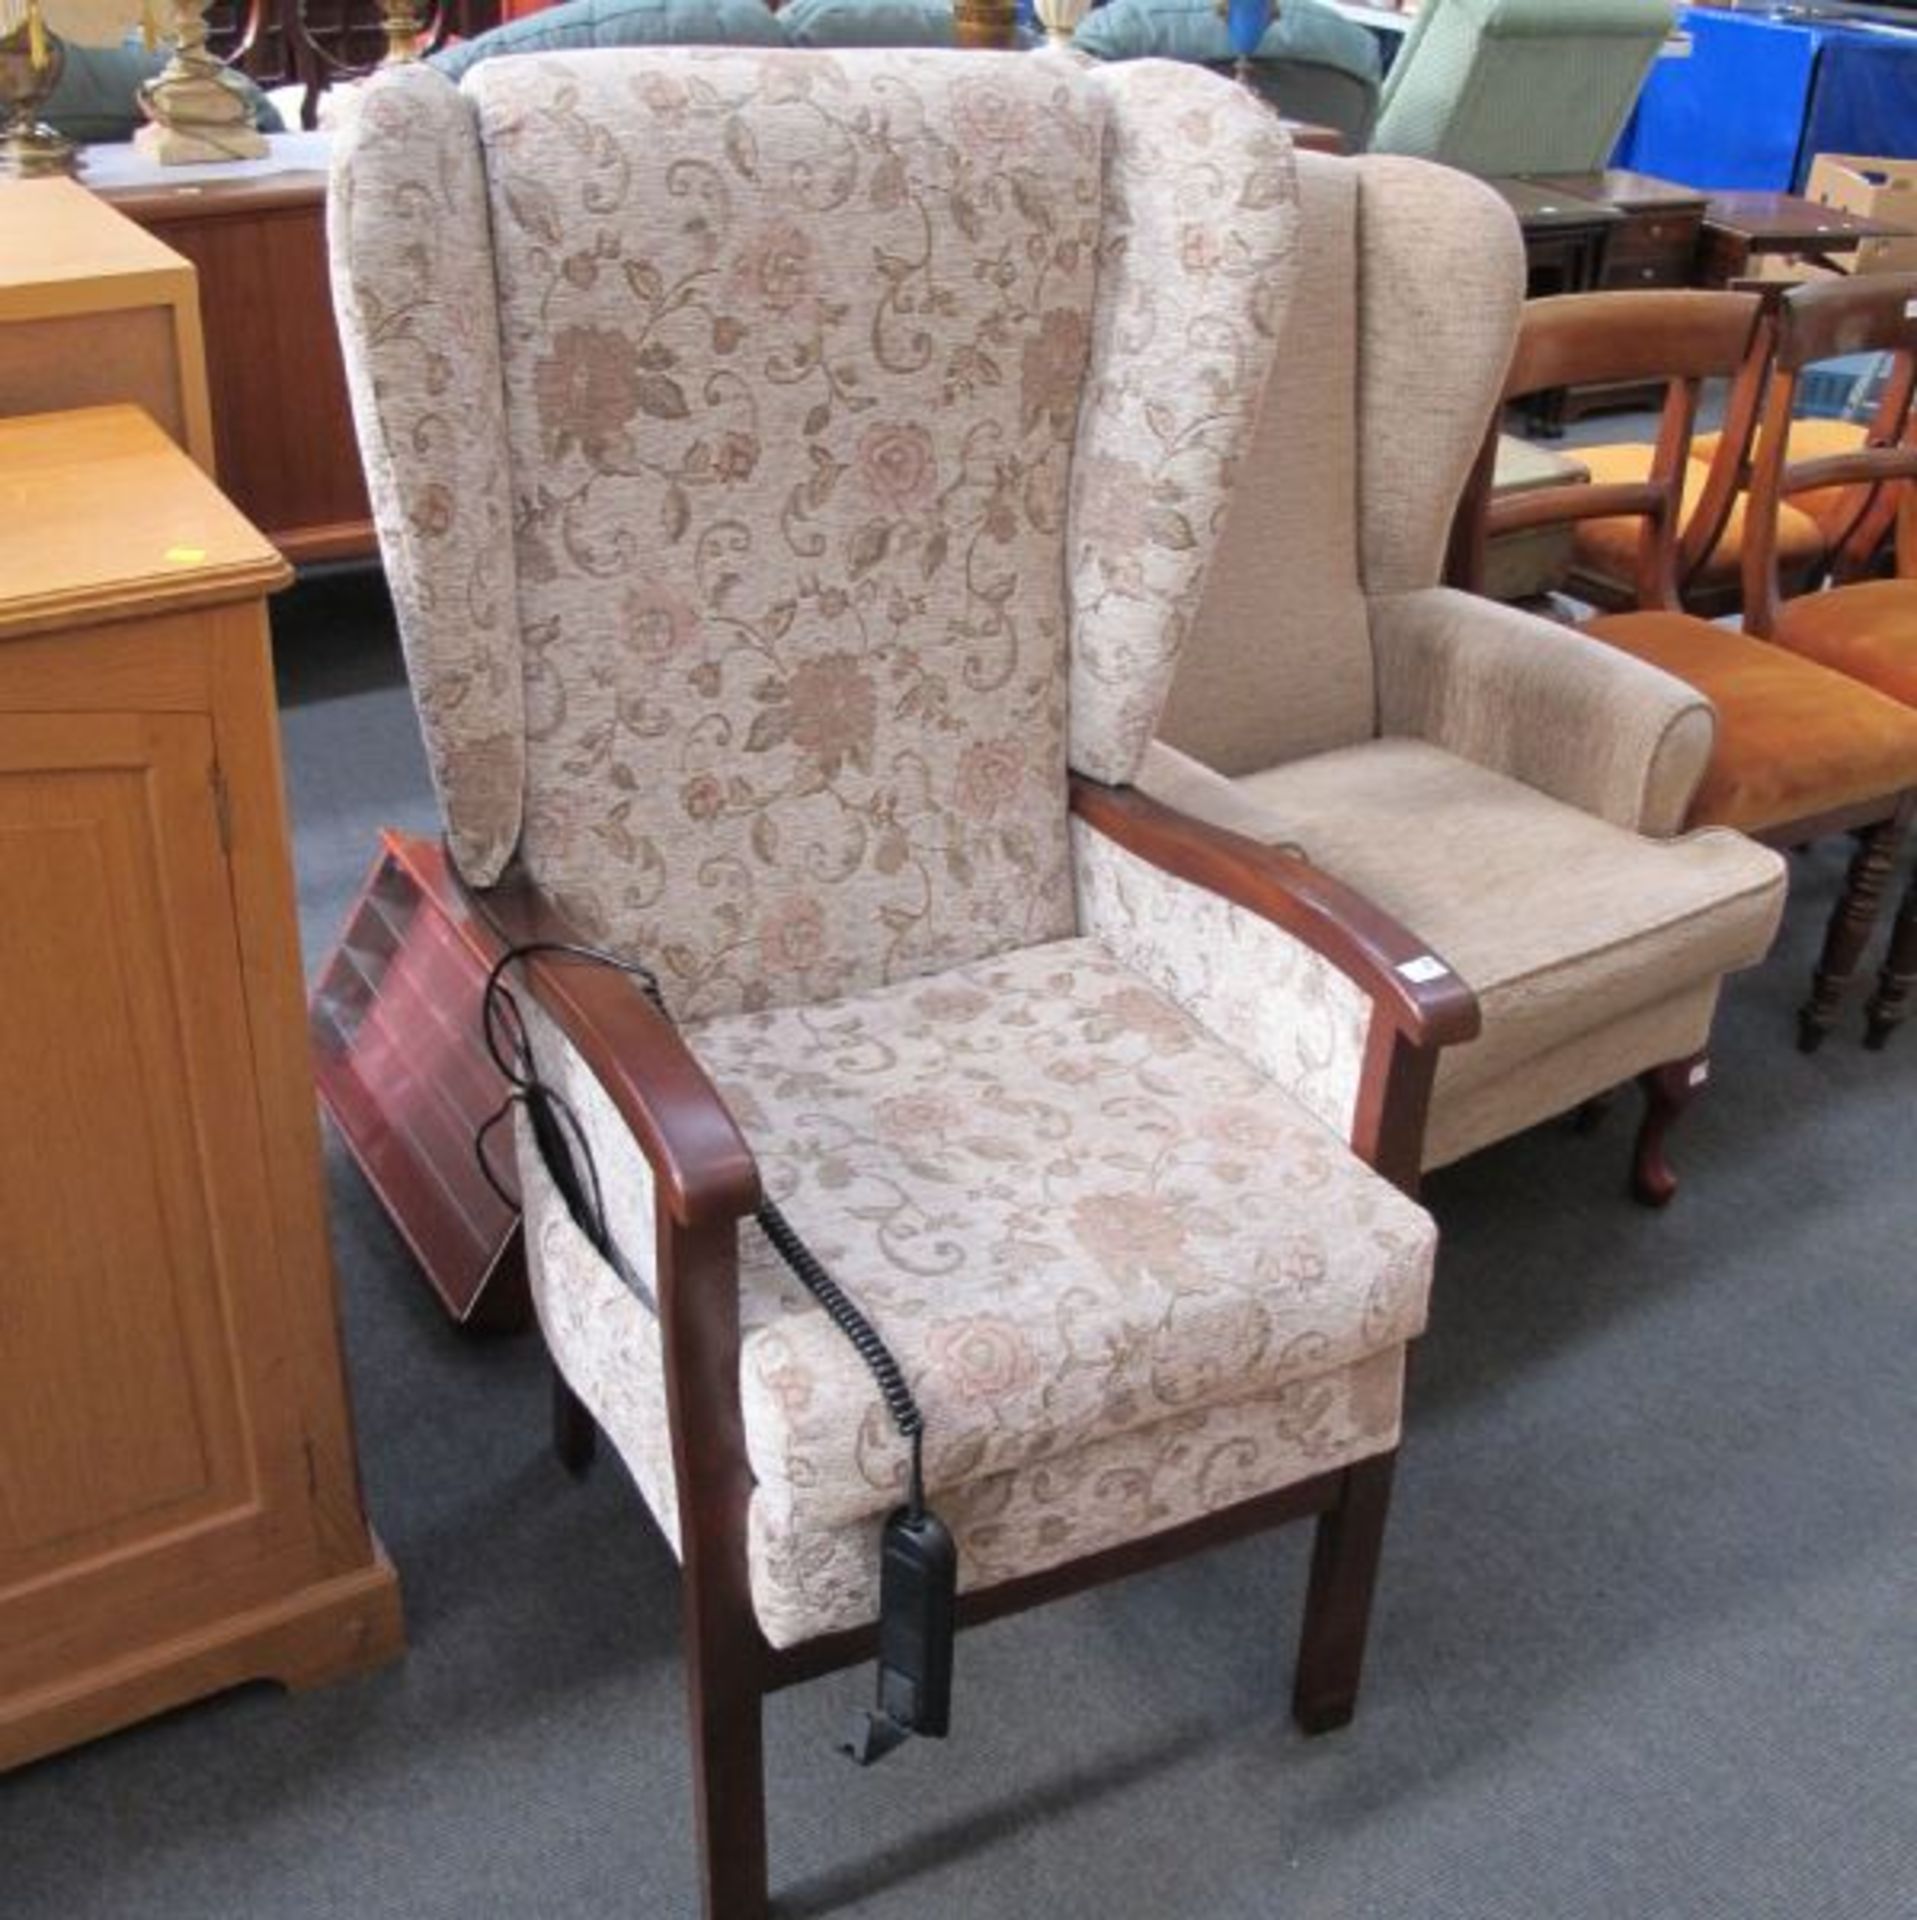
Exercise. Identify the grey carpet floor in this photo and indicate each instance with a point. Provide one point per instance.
(1646, 1643)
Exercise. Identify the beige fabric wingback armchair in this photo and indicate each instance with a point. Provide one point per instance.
(795, 474)
(1503, 786)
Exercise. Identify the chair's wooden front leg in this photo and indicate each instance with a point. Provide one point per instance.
(1344, 1571)
(1890, 1005)
(1850, 929)
(724, 1703)
(725, 1653)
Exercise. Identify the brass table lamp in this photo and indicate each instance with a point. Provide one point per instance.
(31, 61)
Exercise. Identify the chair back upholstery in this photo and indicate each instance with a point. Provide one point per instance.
(1870, 313)
(786, 462)
(1412, 276)
(1678, 338)
(1519, 86)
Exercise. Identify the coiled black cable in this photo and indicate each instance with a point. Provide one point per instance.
(880, 1361)
(510, 1046)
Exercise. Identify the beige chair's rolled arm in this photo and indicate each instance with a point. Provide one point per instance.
(1525, 697)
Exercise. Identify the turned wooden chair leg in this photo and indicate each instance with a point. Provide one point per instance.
(1890, 1004)
(728, 1783)
(1850, 929)
(574, 1435)
(1344, 1570)
(1668, 1090)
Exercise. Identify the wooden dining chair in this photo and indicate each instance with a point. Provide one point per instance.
(1813, 526)
(1861, 627)
(1801, 751)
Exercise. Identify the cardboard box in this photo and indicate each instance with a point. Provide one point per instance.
(1879, 189)
(1793, 270)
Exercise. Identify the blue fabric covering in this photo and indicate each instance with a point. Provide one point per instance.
(620, 23)
(1731, 113)
(868, 23)
(1863, 100)
(1759, 99)
(1193, 30)
(95, 98)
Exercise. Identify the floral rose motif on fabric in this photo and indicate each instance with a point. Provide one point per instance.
(1070, 1209)
(794, 348)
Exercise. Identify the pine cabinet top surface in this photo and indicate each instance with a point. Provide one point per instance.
(103, 517)
(64, 249)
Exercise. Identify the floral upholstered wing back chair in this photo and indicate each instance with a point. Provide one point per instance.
(795, 473)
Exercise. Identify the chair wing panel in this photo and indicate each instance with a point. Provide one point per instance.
(1198, 268)
(1441, 278)
(412, 268)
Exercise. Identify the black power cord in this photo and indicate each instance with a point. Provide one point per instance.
(918, 1559)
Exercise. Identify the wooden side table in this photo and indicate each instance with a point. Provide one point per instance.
(93, 311)
(179, 1498)
(1565, 237)
(288, 456)
(1654, 243)
(1741, 230)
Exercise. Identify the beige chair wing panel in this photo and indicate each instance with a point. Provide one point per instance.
(412, 268)
(1262, 990)
(1198, 268)
(1441, 277)
(1279, 661)
(1541, 703)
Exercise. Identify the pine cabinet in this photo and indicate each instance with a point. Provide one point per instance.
(179, 1499)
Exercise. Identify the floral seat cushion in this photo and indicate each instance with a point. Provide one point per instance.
(1065, 1205)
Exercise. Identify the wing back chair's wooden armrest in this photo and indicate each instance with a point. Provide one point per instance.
(1416, 992)
(705, 1170)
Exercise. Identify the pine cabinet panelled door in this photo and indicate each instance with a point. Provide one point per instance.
(179, 1506)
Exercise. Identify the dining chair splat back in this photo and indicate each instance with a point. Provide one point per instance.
(1862, 627)
(1800, 751)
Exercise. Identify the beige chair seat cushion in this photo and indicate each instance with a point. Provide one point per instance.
(1558, 921)
(1070, 1211)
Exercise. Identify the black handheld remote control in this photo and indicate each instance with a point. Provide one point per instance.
(918, 1623)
